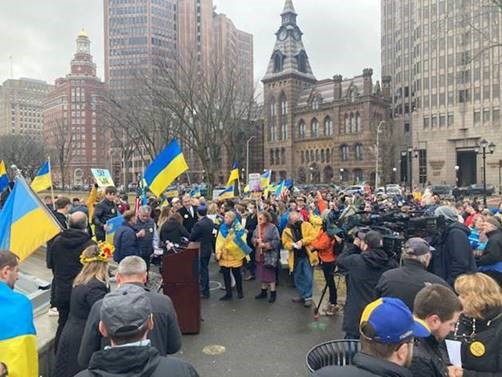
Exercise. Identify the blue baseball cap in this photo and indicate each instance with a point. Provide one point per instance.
(392, 321)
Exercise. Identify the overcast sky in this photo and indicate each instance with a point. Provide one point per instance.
(341, 36)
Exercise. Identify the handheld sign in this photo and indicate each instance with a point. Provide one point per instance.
(254, 182)
(103, 177)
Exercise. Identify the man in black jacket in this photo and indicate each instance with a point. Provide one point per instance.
(387, 332)
(406, 281)
(65, 253)
(363, 272)
(251, 224)
(127, 317)
(202, 232)
(166, 334)
(454, 255)
(439, 308)
(150, 241)
(490, 262)
(104, 211)
(189, 213)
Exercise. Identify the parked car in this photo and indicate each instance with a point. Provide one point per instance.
(356, 189)
(475, 190)
(443, 191)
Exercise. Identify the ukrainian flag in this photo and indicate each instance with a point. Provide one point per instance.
(228, 193)
(18, 342)
(280, 188)
(234, 174)
(4, 178)
(265, 178)
(168, 166)
(25, 223)
(42, 180)
(113, 225)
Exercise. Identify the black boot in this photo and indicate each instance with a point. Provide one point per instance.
(273, 296)
(240, 294)
(262, 294)
(228, 296)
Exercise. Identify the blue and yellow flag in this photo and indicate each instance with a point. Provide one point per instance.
(196, 192)
(42, 180)
(168, 166)
(265, 178)
(228, 193)
(113, 225)
(18, 342)
(25, 223)
(234, 174)
(4, 178)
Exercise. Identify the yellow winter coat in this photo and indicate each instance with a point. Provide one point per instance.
(316, 222)
(231, 247)
(309, 235)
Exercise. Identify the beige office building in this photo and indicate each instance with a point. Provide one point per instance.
(445, 88)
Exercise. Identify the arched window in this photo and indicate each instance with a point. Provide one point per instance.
(328, 126)
(271, 157)
(358, 151)
(273, 131)
(302, 154)
(314, 128)
(283, 156)
(358, 123)
(284, 129)
(272, 107)
(317, 155)
(311, 156)
(278, 61)
(322, 155)
(348, 119)
(283, 104)
(352, 123)
(344, 152)
(307, 156)
(301, 60)
(328, 155)
(277, 156)
(301, 129)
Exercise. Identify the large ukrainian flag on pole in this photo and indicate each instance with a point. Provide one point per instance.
(4, 178)
(25, 223)
(168, 166)
(42, 180)
(18, 342)
(234, 174)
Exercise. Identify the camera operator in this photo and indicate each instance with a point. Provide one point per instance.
(406, 281)
(363, 272)
(453, 256)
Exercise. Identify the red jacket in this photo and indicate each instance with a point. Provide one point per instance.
(324, 245)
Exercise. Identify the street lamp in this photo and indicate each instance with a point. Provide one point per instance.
(394, 170)
(410, 153)
(457, 169)
(377, 176)
(481, 149)
(247, 157)
(311, 174)
(341, 175)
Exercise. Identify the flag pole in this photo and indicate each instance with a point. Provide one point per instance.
(52, 186)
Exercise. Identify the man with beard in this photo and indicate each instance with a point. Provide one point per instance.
(387, 332)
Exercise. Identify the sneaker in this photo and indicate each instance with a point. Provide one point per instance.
(307, 303)
(331, 309)
(53, 312)
(298, 300)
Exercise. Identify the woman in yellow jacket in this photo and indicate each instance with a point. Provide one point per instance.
(297, 238)
(231, 249)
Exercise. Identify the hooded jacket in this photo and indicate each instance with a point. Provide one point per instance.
(363, 273)
(65, 253)
(136, 361)
(453, 256)
(365, 366)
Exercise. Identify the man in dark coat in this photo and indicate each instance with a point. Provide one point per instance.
(406, 281)
(65, 253)
(166, 334)
(104, 211)
(150, 241)
(126, 239)
(203, 232)
(439, 307)
(490, 262)
(189, 213)
(251, 224)
(363, 272)
(453, 256)
(385, 350)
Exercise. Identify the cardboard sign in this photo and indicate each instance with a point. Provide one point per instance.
(103, 177)
(254, 180)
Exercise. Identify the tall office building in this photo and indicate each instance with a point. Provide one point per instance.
(21, 106)
(73, 120)
(445, 87)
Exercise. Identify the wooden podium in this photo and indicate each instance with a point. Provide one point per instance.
(180, 275)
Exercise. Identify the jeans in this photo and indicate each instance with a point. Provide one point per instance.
(303, 274)
(204, 275)
(328, 270)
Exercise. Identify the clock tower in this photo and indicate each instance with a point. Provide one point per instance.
(288, 73)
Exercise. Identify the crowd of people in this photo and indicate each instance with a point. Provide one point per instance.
(402, 302)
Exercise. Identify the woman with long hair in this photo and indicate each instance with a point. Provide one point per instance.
(90, 285)
(480, 325)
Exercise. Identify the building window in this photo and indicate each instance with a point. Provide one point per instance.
(450, 120)
(302, 154)
(272, 107)
(496, 117)
(358, 175)
(344, 152)
(328, 126)
(301, 129)
(284, 129)
(301, 59)
(278, 62)
(314, 128)
(358, 150)
(422, 166)
(284, 105)
(477, 118)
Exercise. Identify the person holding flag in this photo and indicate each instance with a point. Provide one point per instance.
(42, 180)
(231, 249)
(104, 211)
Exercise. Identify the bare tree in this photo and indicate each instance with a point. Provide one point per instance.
(61, 146)
(26, 152)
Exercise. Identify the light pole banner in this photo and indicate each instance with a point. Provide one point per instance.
(103, 177)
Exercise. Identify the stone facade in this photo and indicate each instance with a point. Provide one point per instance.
(319, 131)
